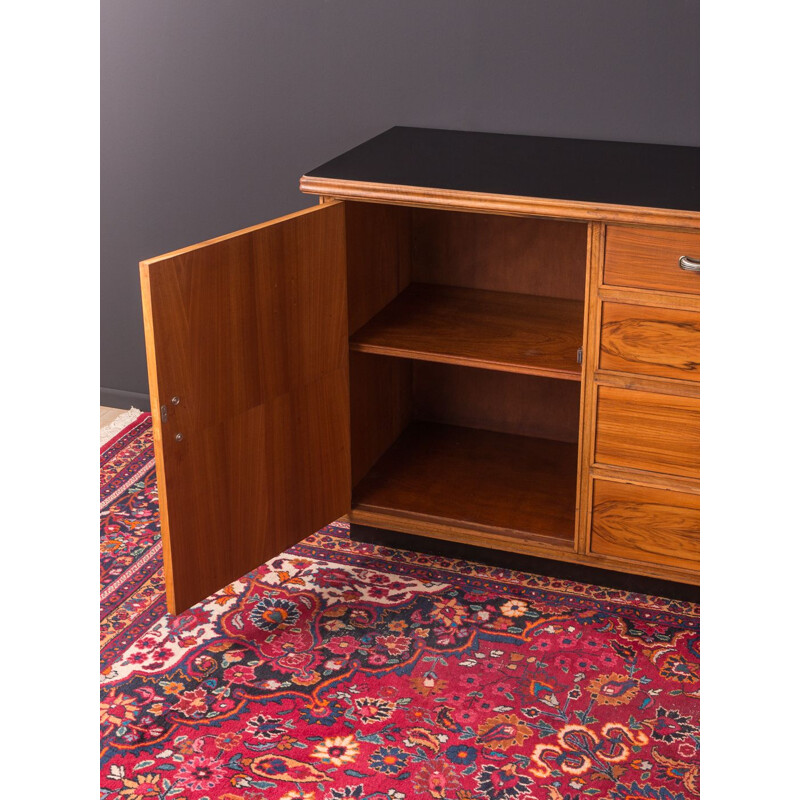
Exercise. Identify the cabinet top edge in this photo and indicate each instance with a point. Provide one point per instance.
(427, 197)
(583, 172)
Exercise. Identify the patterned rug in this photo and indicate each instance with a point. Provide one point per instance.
(344, 670)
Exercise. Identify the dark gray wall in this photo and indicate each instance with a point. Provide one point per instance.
(212, 110)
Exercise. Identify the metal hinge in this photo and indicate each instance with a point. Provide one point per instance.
(175, 401)
(580, 355)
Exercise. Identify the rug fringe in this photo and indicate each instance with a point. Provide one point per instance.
(113, 428)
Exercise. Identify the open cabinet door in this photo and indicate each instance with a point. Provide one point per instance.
(247, 356)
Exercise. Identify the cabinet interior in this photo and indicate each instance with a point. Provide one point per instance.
(464, 374)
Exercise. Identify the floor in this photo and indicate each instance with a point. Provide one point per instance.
(108, 415)
(114, 420)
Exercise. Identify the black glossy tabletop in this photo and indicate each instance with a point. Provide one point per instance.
(619, 173)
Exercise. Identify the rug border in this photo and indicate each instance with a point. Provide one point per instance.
(126, 429)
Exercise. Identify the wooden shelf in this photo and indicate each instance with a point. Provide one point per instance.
(494, 330)
(503, 486)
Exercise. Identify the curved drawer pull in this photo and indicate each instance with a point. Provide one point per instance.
(689, 264)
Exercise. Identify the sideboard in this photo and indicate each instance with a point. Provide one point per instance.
(484, 338)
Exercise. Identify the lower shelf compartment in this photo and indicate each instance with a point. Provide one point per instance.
(503, 485)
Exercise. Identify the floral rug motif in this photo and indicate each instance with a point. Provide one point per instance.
(343, 670)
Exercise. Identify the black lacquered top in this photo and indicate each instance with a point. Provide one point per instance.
(619, 173)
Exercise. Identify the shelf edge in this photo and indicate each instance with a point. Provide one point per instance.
(465, 361)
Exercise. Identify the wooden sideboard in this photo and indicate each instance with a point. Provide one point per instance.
(483, 338)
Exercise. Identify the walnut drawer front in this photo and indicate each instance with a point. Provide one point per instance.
(641, 523)
(648, 430)
(649, 258)
(661, 342)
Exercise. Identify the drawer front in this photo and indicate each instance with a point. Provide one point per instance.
(648, 430)
(648, 258)
(645, 524)
(661, 342)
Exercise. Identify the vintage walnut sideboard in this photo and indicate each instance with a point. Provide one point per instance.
(484, 338)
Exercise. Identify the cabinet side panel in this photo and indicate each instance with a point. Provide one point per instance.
(378, 269)
(380, 407)
(378, 258)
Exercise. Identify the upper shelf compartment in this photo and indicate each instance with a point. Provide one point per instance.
(494, 330)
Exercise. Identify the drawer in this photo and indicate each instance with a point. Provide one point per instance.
(648, 430)
(645, 524)
(661, 342)
(648, 258)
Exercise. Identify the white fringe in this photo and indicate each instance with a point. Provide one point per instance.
(113, 428)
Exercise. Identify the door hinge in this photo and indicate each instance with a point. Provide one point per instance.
(580, 355)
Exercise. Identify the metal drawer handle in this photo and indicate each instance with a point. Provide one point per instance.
(689, 264)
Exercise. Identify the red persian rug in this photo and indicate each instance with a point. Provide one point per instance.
(343, 670)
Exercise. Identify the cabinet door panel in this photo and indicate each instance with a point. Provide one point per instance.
(248, 333)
